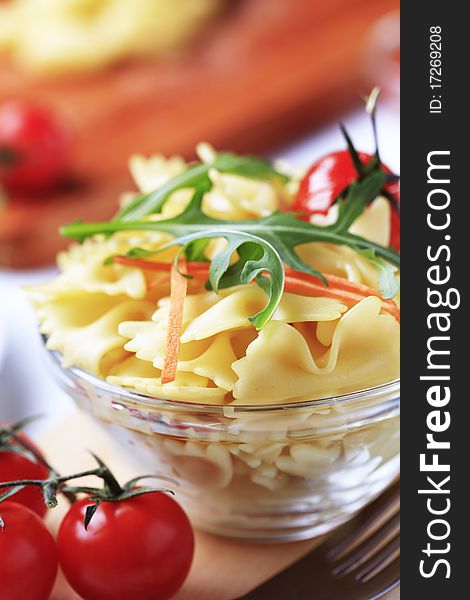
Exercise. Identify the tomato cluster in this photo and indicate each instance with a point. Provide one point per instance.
(140, 546)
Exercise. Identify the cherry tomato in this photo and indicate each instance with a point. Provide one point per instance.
(329, 177)
(33, 148)
(141, 547)
(28, 555)
(21, 466)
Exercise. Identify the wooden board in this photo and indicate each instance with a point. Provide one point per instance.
(265, 72)
(223, 569)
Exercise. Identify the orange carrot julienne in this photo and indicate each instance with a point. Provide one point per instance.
(296, 282)
(335, 282)
(294, 285)
(179, 288)
(302, 287)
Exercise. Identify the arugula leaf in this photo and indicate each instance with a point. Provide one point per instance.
(196, 251)
(247, 251)
(194, 176)
(197, 176)
(247, 166)
(282, 230)
(258, 257)
(262, 245)
(388, 281)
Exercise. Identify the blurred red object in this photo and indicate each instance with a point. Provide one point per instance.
(33, 148)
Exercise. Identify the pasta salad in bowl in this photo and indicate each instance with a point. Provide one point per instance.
(239, 342)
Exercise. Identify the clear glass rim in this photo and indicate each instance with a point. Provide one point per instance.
(383, 393)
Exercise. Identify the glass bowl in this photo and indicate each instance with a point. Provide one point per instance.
(277, 472)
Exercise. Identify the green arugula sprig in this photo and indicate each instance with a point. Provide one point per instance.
(197, 176)
(262, 245)
(257, 256)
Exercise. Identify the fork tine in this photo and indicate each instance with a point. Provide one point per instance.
(370, 547)
(380, 561)
(386, 580)
(389, 507)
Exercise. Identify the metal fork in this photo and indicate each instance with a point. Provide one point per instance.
(359, 561)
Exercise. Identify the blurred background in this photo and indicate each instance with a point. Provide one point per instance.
(86, 83)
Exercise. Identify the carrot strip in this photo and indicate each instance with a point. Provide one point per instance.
(339, 283)
(295, 283)
(309, 288)
(302, 287)
(179, 288)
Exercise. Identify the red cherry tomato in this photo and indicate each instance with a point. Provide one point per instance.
(141, 547)
(18, 466)
(329, 177)
(33, 148)
(28, 555)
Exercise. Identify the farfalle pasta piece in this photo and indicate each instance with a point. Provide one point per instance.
(309, 331)
(94, 277)
(373, 224)
(143, 376)
(148, 342)
(299, 309)
(151, 173)
(325, 332)
(76, 310)
(133, 368)
(211, 340)
(231, 196)
(187, 387)
(279, 366)
(86, 333)
(83, 269)
(232, 311)
(235, 197)
(235, 305)
(194, 305)
(215, 362)
(211, 358)
(340, 260)
(101, 247)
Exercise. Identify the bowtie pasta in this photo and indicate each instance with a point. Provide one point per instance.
(112, 319)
